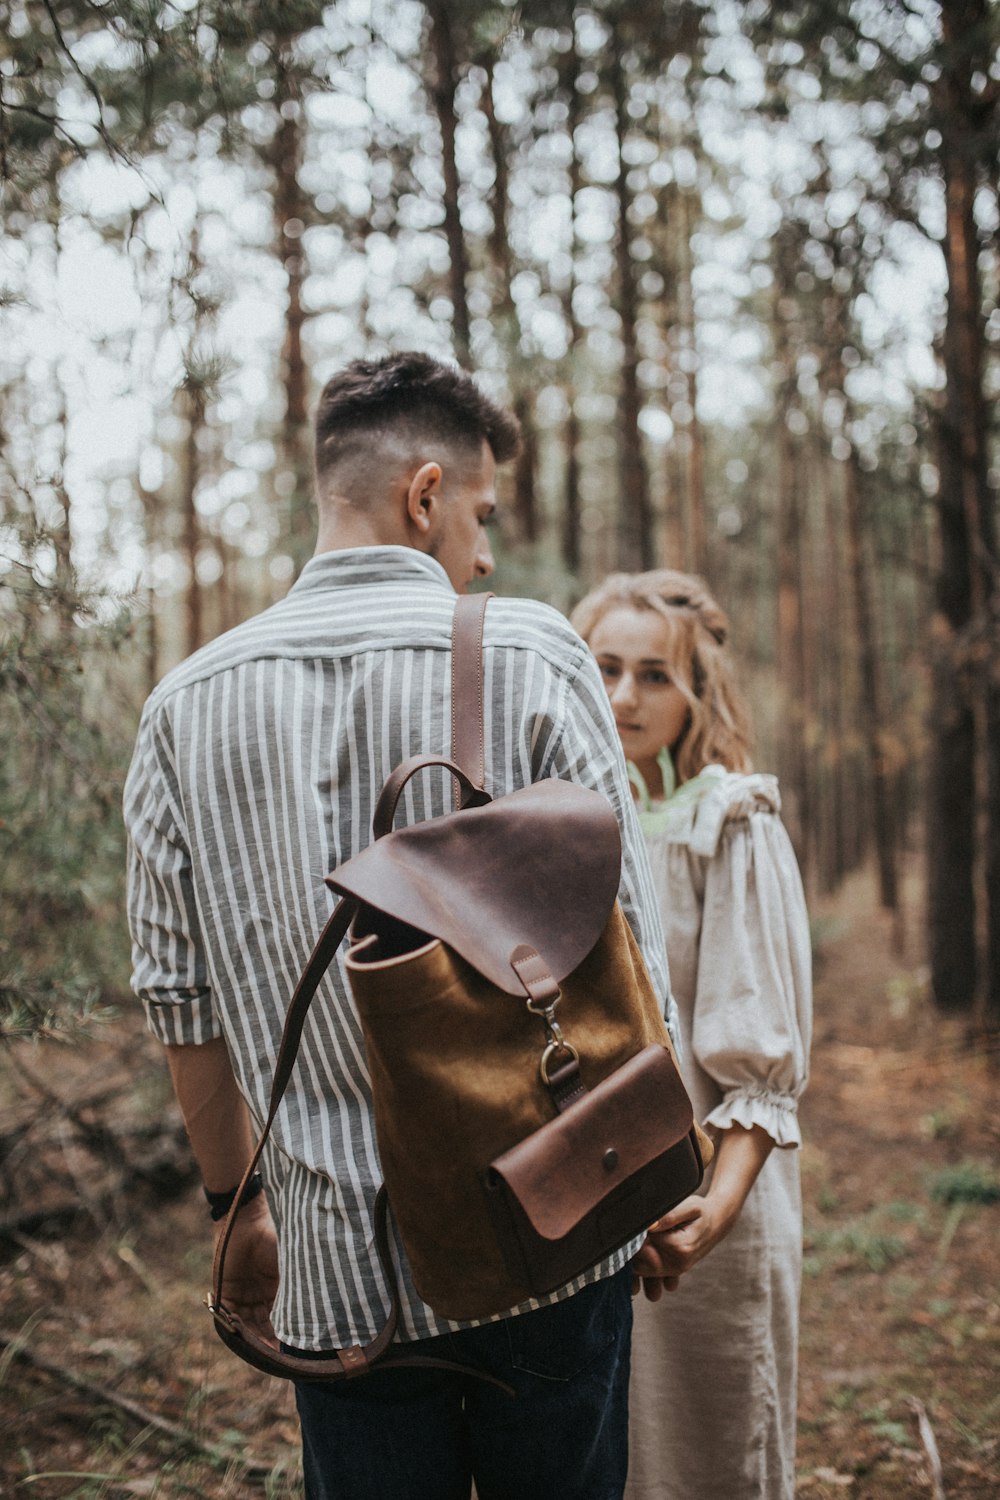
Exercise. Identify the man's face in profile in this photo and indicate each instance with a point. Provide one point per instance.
(468, 496)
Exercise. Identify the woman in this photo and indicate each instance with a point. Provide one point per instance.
(714, 1361)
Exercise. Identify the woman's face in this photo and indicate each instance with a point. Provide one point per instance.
(631, 647)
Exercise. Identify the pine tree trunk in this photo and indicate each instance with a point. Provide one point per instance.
(636, 549)
(675, 518)
(962, 584)
(62, 532)
(152, 658)
(832, 638)
(572, 551)
(791, 661)
(289, 220)
(525, 466)
(992, 855)
(697, 526)
(191, 521)
(150, 504)
(508, 329)
(194, 407)
(872, 688)
(442, 88)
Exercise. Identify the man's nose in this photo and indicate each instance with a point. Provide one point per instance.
(484, 564)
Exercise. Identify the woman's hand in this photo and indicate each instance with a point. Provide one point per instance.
(679, 1241)
(688, 1232)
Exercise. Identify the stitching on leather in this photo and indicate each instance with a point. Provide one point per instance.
(518, 964)
(576, 1093)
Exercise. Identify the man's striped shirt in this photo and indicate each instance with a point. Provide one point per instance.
(256, 770)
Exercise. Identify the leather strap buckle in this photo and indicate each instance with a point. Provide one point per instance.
(556, 1049)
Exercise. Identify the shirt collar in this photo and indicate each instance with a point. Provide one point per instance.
(365, 565)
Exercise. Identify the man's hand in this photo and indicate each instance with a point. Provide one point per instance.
(250, 1280)
(221, 1133)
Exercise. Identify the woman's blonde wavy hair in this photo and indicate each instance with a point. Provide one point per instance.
(718, 727)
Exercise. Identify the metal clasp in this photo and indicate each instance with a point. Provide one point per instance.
(555, 1042)
(545, 1007)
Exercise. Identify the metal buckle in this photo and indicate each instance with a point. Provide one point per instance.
(553, 1048)
(221, 1315)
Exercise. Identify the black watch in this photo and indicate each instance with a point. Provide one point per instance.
(219, 1204)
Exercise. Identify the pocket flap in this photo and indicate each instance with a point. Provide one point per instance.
(563, 1171)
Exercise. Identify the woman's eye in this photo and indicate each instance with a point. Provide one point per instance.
(608, 672)
(657, 679)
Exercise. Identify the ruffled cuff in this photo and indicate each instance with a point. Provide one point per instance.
(185, 1021)
(776, 1113)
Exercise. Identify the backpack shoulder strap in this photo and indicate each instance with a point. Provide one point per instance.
(468, 742)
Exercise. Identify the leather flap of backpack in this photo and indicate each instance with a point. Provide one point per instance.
(563, 1171)
(540, 866)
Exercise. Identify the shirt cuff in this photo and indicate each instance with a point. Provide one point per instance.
(189, 1021)
(776, 1113)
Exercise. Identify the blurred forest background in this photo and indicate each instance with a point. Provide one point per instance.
(734, 265)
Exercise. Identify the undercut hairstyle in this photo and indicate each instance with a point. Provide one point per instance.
(376, 416)
(698, 662)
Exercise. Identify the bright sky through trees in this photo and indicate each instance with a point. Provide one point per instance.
(100, 314)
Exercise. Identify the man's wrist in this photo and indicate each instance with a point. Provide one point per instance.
(219, 1204)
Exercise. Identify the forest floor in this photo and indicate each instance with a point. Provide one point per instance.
(113, 1384)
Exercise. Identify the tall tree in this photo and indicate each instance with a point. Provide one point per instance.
(525, 505)
(635, 536)
(790, 614)
(568, 72)
(442, 84)
(291, 215)
(696, 507)
(964, 695)
(195, 389)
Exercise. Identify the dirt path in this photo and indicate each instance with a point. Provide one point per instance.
(901, 1297)
(901, 1305)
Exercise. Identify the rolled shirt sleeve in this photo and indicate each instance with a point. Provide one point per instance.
(753, 1007)
(169, 970)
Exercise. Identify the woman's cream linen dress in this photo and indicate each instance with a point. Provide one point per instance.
(713, 1391)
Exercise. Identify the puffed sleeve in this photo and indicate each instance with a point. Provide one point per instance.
(753, 1003)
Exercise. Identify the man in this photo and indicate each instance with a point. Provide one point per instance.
(256, 771)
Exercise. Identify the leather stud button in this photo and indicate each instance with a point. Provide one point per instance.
(610, 1159)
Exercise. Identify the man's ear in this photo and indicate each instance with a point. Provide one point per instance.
(423, 496)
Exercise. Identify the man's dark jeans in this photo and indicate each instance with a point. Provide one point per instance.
(426, 1434)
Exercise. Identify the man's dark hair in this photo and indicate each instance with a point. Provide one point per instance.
(408, 403)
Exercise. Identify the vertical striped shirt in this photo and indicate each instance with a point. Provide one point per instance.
(256, 770)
